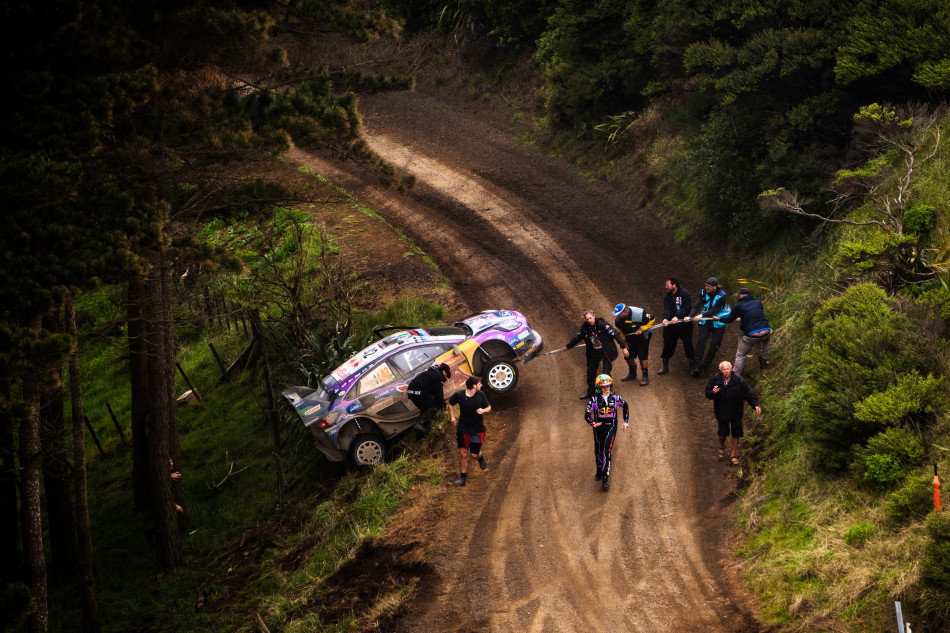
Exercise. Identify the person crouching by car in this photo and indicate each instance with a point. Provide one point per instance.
(470, 425)
(425, 391)
(598, 337)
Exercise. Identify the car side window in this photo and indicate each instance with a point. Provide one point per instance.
(409, 360)
(377, 377)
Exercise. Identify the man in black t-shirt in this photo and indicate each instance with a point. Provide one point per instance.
(470, 434)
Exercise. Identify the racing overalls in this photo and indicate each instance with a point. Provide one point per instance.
(604, 409)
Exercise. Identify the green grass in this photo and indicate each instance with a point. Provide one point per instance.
(235, 540)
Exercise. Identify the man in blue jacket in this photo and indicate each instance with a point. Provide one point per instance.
(712, 301)
(755, 328)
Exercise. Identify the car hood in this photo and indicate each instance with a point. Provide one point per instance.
(309, 406)
(507, 320)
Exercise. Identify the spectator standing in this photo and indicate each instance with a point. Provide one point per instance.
(676, 306)
(598, 337)
(425, 391)
(755, 328)
(728, 391)
(634, 324)
(601, 415)
(470, 425)
(711, 302)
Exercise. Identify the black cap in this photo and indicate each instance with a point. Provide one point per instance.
(744, 291)
(712, 281)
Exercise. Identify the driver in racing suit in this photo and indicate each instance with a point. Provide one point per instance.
(602, 412)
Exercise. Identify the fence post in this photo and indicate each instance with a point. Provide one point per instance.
(188, 382)
(224, 372)
(115, 421)
(94, 438)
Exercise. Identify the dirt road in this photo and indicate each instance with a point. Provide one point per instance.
(533, 544)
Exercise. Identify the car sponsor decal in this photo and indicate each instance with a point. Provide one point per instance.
(524, 334)
(312, 410)
(353, 407)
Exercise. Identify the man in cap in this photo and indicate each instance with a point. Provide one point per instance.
(755, 328)
(634, 324)
(712, 301)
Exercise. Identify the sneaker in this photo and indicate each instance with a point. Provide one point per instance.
(695, 372)
(482, 463)
(460, 481)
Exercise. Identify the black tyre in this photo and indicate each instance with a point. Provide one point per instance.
(368, 449)
(500, 376)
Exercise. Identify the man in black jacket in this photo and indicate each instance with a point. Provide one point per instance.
(729, 391)
(676, 305)
(425, 391)
(598, 337)
(755, 328)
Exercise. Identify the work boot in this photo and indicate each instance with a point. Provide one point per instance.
(482, 463)
(665, 369)
(631, 375)
(461, 480)
(645, 380)
(763, 363)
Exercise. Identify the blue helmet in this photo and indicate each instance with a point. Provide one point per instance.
(620, 307)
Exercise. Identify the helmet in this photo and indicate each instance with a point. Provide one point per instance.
(620, 307)
(603, 380)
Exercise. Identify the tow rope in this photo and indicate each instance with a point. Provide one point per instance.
(660, 324)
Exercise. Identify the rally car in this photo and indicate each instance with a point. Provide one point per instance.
(363, 403)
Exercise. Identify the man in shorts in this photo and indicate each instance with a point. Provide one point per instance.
(634, 324)
(728, 391)
(470, 431)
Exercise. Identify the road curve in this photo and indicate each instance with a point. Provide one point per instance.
(538, 547)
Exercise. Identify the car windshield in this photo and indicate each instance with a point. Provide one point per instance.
(406, 361)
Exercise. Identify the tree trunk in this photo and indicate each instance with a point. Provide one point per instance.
(59, 506)
(30, 514)
(138, 371)
(11, 565)
(162, 416)
(87, 581)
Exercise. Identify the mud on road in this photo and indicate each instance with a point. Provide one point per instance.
(532, 544)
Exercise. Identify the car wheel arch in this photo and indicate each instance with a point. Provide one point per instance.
(353, 429)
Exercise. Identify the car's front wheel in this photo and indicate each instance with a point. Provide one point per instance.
(368, 449)
(500, 376)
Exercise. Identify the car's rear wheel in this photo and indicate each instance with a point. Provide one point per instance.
(500, 376)
(368, 449)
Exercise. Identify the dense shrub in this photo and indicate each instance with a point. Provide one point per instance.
(862, 348)
(935, 566)
(912, 502)
(888, 456)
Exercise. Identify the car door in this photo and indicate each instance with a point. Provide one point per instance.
(382, 391)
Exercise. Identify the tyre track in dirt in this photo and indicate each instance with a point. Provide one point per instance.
(537, 546)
